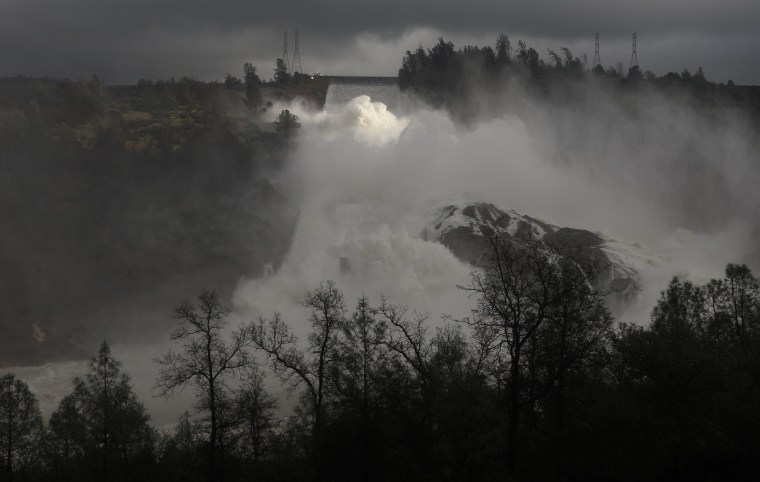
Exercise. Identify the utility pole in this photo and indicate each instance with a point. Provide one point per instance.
(634, 57)
(285, 48)
(597, 58)
(295, 65)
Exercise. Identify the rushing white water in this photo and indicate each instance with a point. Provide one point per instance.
(370, 174)
(389, 95)
(356, 218)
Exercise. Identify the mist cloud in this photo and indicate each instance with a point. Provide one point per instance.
(672, 187)
(676, 190)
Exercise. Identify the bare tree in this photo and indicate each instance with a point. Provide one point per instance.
(538, 320)
(309, 366)
(514, 294)
(743, 300)
(206, 360)
(20, 423)
(619, 72)
(255, 410)
(361, 354)
(577, 331)
(407, 339)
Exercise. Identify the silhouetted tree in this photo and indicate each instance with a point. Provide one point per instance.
(407, 339)
(101, 424)
(232, 82)
(115, 416)
(281, 74)
(206, 360)
(529, 57)
(249, 74)
(555, 58)
(255, 409)
(287, 125)
(513, 298)
(441, 54)
(20, 425)
(634, 74)
(179, 452)
(538, 320)
(361, 353)
(742, 293)
(503, 49)
(619, 70)
(311, 366)
(68, 432)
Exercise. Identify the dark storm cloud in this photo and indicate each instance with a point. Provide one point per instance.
(105, 18)
(127, 39)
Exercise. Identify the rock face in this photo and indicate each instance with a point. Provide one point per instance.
(463, 229)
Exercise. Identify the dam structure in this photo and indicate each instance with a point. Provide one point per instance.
(361, 80)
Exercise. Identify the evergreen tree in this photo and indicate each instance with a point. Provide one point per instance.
(249, 74)
(287, 125)
(21, 426)
(255, 410)
(102, 424)
(281, 74)
(503, 49)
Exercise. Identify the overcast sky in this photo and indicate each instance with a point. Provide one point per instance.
(124, 40)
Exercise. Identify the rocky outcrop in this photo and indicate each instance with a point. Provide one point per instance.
(465, 227)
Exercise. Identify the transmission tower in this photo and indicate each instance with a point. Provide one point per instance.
(597, 58)
(295, 65)
(634, 57)
(285, 48)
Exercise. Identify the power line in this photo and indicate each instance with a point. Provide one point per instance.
(634, 56)
(285, 48)
(597, 58)
(295, 65)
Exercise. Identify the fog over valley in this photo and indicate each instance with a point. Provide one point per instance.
(366, 181)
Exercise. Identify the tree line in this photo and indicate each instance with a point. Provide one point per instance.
(445, 76)
(538, 383)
